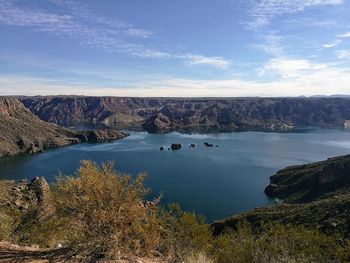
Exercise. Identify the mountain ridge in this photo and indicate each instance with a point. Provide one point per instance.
(199, 114)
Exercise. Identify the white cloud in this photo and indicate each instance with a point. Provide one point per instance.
(141, 33)
(345, 35)
(272, 44)
(287, 68)
(292, 77)
(332, 44)
(217, 62)
(263, 11)
(343, 54)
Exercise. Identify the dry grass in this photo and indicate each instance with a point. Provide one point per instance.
(198, 258)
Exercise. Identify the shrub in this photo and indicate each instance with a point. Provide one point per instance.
(9, 216)
(105, 211)
(280, 243)
(185, 233)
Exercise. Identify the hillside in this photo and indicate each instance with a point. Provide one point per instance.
(100, 215)
(165, 114)
(315, 195)
(310, 182)
(23, 132)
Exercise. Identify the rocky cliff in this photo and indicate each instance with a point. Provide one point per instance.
(165, 114)
(310, 182)
(23, 132)
(316, 195)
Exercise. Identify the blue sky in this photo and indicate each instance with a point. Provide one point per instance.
(175, 48)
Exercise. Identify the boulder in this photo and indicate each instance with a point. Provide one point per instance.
(176, 146)
(40, 188)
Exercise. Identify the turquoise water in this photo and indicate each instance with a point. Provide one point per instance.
(216, 182)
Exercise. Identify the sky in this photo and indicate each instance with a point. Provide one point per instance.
(182, 48)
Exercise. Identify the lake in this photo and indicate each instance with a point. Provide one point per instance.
(214, 181)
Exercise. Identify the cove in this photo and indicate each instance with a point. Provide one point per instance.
(213, 181)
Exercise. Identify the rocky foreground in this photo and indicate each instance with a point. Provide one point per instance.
(315, 195)
(23, 132)
(166, 114)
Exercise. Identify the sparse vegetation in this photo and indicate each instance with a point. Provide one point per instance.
(105, 211)
(100, 213)
(9, 217)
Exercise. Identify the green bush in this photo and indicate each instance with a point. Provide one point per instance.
(279, 243)
(106, 212)
(184, 233)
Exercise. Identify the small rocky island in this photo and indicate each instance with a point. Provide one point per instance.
(178, 146)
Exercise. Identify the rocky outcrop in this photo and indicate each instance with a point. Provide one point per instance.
(330, 215)
(309, 182)
(40, 188)
(23, 195)
(23, 132)
(104, 135)
(165, 114)
(157, 123)
(315, 195)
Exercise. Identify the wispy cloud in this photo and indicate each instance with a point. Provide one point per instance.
(217, 62)
(141, 33)
(333, 43)
(345, 35)
(343, 54)
(309, 22)
(263, 11)
(272, 44)
(80, 24)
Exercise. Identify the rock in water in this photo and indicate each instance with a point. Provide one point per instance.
(208, 144)
(176, 146)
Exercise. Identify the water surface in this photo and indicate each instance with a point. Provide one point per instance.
(216, 182)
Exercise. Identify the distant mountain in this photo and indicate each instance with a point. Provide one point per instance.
(166, 114)
(315, 195)
(23, 132)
